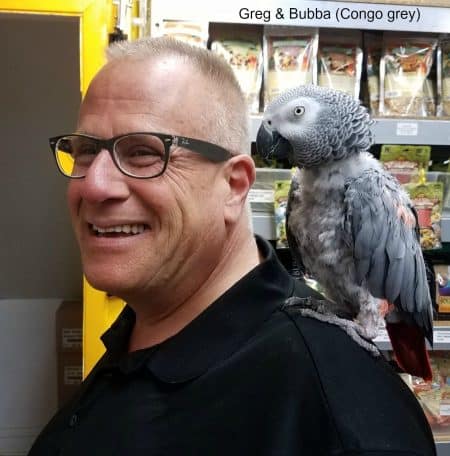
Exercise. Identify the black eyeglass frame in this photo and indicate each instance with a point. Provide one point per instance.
(211, 151)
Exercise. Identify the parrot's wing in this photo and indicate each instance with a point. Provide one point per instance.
(293, 246)
(381, 227)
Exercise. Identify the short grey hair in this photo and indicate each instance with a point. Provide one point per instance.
(228, 119)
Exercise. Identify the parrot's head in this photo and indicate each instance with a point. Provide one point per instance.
(312, 126)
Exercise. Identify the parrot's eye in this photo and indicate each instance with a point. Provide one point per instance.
(299, 110)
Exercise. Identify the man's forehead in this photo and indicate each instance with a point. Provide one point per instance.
(157, 89)
(149, 72)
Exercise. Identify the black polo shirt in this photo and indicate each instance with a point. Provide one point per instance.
(249, 376)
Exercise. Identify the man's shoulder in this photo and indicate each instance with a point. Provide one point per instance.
(339, 361)
(369, 402)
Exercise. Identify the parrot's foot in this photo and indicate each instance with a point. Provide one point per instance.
(318, 309)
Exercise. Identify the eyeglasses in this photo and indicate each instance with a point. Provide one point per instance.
(139, 155)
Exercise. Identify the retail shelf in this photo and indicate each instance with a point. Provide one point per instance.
(396, 131)
(308, 13)
(443, 448)
(264, 225)
(445, 226)
(441, 338)
(411, 131)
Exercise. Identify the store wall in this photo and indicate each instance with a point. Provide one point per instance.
(39, 97)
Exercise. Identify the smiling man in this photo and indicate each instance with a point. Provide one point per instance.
(206, 358)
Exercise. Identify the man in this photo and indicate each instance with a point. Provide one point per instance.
(206, 359)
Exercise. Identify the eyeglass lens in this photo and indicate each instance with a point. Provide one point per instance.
(140, 155)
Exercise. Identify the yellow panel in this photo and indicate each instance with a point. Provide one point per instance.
(72, 7)
(95, 21)
(99, 312)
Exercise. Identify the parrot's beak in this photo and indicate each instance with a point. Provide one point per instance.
(270, 144)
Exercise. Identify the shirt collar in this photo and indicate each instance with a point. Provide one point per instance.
(220, 329)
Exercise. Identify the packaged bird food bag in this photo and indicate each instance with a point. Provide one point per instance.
(194, 33)
(442, 273)
(290, 59)
(405, 162)
(434, 396)
(280, 204)
(444, 76)
(427, 200)
(405, 66)
(373, 47)
(340, 61)
(245, 58)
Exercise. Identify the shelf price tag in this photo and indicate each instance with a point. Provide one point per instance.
(441, 337)
(382, 336)
(258, 195)
(407, 129)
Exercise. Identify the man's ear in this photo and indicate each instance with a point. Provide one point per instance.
(240, 174)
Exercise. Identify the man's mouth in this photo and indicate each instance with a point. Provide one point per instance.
(118, 230)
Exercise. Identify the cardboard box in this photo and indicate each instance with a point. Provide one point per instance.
(69, 341)
(69, 375)
(69, 327)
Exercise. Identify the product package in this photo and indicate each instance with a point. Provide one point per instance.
(405, 162)
(443, 76)
(404, 68)
(243, 52)
(434, 396)
(340, 61)
(444, 177)
(290, 59)
(429, 93)
(373, 44)
(427, 200)
(280, 204)
(442, 273)
(194, 33)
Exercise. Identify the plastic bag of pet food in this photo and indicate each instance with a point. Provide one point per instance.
(429, 93)
(289, 59)
(373, 48)
(340, 61)
(245, 58)
(443, 76)
(404, 68)
(280, 204)
(405, 162)
(194, 33)
(427, 200)
(442, 273)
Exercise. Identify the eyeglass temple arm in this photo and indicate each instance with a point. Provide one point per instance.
(210, 151)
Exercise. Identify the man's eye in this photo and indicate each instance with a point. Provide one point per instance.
(82, 150)
(141, 156)
(86, 150)
(143, 152)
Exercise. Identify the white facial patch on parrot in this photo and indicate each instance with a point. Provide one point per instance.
(294, 117)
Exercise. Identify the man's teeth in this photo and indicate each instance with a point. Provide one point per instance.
(127, 229)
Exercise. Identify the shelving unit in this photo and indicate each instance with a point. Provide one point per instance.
(441, 336)
(332, 14)
(434, 131)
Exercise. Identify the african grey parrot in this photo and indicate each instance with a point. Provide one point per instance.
(349, 223)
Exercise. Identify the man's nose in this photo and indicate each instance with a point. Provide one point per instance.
(104, 180)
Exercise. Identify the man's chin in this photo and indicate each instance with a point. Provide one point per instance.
(105, 283)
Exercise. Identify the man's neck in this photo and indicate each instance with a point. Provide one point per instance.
(240, 257)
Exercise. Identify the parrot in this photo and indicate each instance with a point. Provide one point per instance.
(350, 224)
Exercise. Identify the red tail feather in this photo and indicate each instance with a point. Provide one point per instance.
(408, 344)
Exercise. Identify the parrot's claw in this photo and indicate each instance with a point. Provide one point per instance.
(315, 308)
